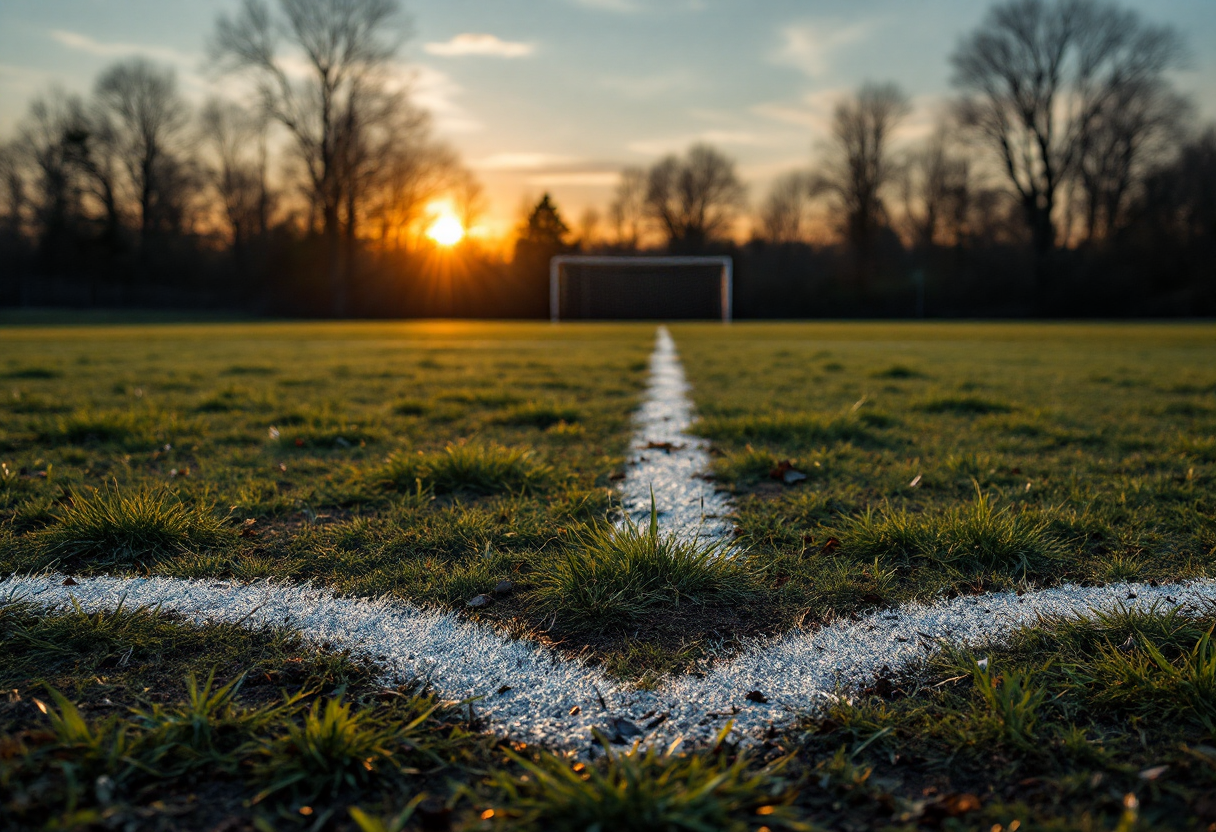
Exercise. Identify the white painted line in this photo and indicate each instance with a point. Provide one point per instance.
(796, 672)
(669, 460)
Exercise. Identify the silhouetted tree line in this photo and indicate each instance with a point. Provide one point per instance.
(1067, 177)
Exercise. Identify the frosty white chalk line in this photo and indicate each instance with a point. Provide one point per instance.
(527, 692)
(667, 461)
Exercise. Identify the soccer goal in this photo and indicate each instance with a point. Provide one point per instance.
(633, 288)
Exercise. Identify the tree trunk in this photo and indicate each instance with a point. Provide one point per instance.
(333, 260)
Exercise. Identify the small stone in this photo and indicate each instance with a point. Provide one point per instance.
(478, 601)
(69, 582)
(504, 588)
(621, 730)
(756, 696)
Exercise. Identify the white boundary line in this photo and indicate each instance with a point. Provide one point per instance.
(797, 672)
(534, 694)
(687, 503)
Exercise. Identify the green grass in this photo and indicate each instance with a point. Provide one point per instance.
(1089, 443)
(965, 539)
(466, 469)
(111, 526)
(430, 461)
(1055, 728)
(625, 577)
(646, 790)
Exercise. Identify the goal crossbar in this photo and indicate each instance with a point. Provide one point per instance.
(726, 264)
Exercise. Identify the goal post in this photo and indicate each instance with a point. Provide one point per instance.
(624, 287)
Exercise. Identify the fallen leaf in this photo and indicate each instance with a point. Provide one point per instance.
(504, 689)
(667, 447)
(247, 528)
(69, 582)
(299, 443)
(1153, 773)
(831, 546)
(949, 806)
(756, 696)
(575, 711)
(915, 481)
(616, 476)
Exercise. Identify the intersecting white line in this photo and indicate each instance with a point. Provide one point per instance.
(531, 693)
(528, 692)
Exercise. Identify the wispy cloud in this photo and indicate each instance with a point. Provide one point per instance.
(812, 111)
(91, 46)
(676, 144)
(578, 178)
(550, 169)
(650, 86)
(24, 78)
(483, 45)
(437, 92)
(624, 6)
(810, 46)
(523, 161)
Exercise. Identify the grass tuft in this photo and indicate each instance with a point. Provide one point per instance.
(33, 373)
(969, 539)
(898, 371)
(646, 790)
(538, 414)
(112, 526)
(963, 406)
(329, 751)
(85, 427)
(799, 429)
(465, 468)
(618, 576)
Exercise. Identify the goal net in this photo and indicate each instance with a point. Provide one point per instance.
(639, 288)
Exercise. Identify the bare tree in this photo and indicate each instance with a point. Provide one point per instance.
(403, 167)
(346, 45)
(92, 145)
(860, 165)
(694, 199)
(589, 228)
(783, 217)
(627, 213)
(236, 138)
(468, 198)
(937, 193)
(1136, 128)
(1036, 77)
(147, 118)
(12, 189)
(57, 202)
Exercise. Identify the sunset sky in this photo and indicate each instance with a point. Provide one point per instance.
(558, 95)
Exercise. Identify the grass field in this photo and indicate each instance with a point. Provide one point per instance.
(432, 462)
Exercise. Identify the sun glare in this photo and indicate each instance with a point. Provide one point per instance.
(446, 230)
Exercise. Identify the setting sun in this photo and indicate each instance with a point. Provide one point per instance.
(446, 230)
